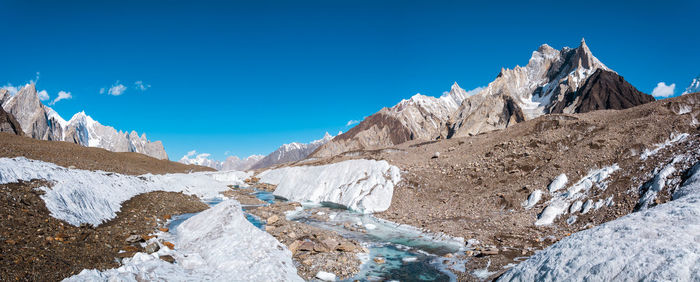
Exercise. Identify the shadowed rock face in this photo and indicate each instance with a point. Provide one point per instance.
(606, 90)
(9, 124)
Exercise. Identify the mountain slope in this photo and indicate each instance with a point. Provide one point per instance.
(42, 122)
(554, 81)
(420, 117)
(603, 90)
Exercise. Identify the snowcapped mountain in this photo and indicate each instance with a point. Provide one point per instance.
(554, 81)
(42, 122)
(235, 163)
(694, 86)
(420, 117)
(231, 163)
(291, 152)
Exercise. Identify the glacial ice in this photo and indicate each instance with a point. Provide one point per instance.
(673, 139)
(218, 244)
(656, 244)
(560, 202)
(81, 196)
(361, 185)
(558, 183)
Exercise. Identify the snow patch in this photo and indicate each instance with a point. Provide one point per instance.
(558, 183)
(361, 185)
(325, 276)
(673, 139)
(532, 200)
(484, 273)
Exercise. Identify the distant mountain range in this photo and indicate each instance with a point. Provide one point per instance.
(570, 80)
(554, 81)
(286, 153)
(42, 122)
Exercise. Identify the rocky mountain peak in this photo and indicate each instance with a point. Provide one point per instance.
(27, 109)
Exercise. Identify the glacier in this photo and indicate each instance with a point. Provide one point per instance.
(218, 244)
(657, 244)
(362, 185)
(93, 197)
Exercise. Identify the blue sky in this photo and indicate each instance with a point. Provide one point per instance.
(245, 77)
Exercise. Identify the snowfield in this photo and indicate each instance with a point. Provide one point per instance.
(661, 243)
(82, 196)
(361, 185)
(218, 244)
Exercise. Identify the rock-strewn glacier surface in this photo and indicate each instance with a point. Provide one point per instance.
(657, 244)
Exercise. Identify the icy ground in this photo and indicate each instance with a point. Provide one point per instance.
(82, 196)
(217, 244)
(361, 185)
(661, 243)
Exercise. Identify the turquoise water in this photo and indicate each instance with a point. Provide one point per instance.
(409, 254)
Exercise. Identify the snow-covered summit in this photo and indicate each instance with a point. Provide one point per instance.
(292, 152)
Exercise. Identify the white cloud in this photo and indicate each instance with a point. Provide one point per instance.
(102, 90)
(43, 95)
(191, 153)
(62, 95)
(36, 79)
(352, 122)
(116, 89)
(663, 90)
(11, 89)
(141, 86)
(475, 91)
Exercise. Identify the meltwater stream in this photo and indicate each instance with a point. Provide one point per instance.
(408, 253)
